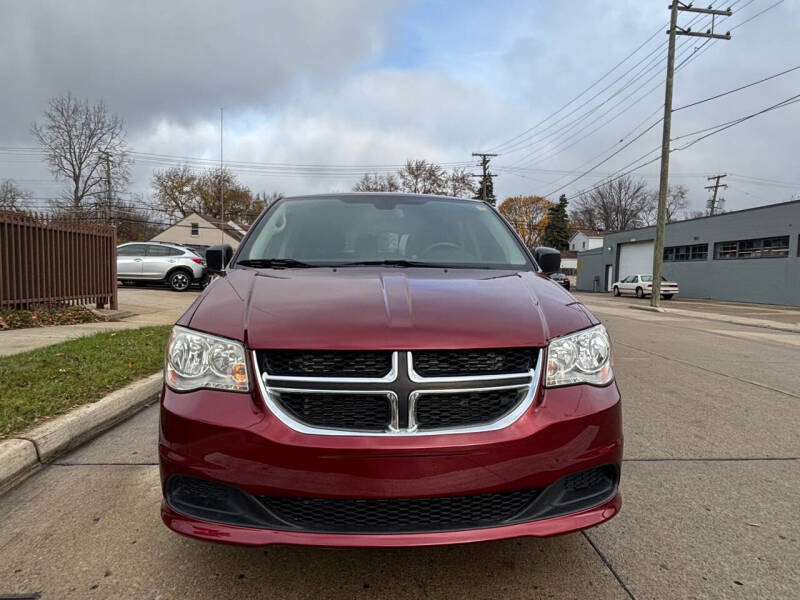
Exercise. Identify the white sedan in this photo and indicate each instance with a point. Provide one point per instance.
(642, 285)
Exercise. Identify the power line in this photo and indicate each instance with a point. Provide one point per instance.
(760, 81)
(652, 64)
(496, 148)
(540, 158)
(694, 55)
(561, 143)
(720, 129)
(738, 89)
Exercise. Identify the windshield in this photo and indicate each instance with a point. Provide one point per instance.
(647, 278)
(407, 231)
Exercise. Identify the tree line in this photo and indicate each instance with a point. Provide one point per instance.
(419, 177)
(616, 205)
(85, 146)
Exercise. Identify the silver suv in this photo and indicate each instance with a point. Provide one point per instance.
(176, 265)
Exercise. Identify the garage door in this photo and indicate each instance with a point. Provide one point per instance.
(635, 258)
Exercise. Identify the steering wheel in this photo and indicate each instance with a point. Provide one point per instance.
(439, 246)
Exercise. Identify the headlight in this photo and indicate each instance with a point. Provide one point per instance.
(197, 360)
(581, 357)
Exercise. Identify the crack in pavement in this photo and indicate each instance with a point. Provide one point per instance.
(608, 566)
(707, 370)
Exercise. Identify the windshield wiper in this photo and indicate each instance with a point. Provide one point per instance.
(395, 263)
(274, 263)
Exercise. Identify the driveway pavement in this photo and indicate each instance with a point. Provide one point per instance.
(710, 484)
(154, 305)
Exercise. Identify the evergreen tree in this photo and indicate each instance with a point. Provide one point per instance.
(556, 233)
(490, 198)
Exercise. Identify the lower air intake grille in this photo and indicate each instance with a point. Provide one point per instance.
(452, 363)
(357, 412)
(437, 411)
(400, 515)
(316, 363)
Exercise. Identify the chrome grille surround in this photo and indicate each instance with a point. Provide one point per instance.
(403, 421)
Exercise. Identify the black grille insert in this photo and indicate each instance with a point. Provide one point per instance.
(495, 361)
(223, 503)
(436, 411)
(400, 515)
(359, 412)
(321, 363)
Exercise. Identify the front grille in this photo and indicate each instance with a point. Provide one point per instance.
(439, 411)
(412, 515)
(451, 363)
(314, 363)
(397, 392)
(359, 412)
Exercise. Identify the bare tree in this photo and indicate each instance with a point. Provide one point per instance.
(85, 145)
(419, 177)
(616, 205)
(11, 195)
(175, 190)
(372, 182)
(181, 191)
(676, 205)
(422, 177)
(237, 197)
(459, 184)
(528, 216)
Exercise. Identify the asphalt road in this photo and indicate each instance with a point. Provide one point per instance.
(710, 483)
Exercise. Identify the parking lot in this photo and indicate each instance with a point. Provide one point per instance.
(710, 485)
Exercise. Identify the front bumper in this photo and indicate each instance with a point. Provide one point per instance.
(232, 439)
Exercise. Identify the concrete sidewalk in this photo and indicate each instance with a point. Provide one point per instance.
(145, 306)
(154, 305)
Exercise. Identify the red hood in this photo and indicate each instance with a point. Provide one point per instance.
(386, 309)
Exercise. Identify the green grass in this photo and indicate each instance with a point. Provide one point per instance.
(49, 381)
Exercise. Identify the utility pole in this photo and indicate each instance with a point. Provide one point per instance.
(107, 158)
(221, 182)
(663, 186)
(713, 204)
(485, 156)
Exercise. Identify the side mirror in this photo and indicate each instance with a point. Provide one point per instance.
(548, 259)
(217, 257)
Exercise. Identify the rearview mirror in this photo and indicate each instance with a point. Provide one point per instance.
(548, 259)
(217, 257)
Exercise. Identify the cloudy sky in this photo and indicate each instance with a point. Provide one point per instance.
(349, 86)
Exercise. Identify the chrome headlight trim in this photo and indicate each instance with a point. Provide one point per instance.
(213, 362)
(580, 357)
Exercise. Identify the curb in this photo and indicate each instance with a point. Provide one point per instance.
(743, 321)
(647, 307)
(23, 455)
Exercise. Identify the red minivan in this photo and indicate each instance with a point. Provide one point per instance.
(386, 370)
